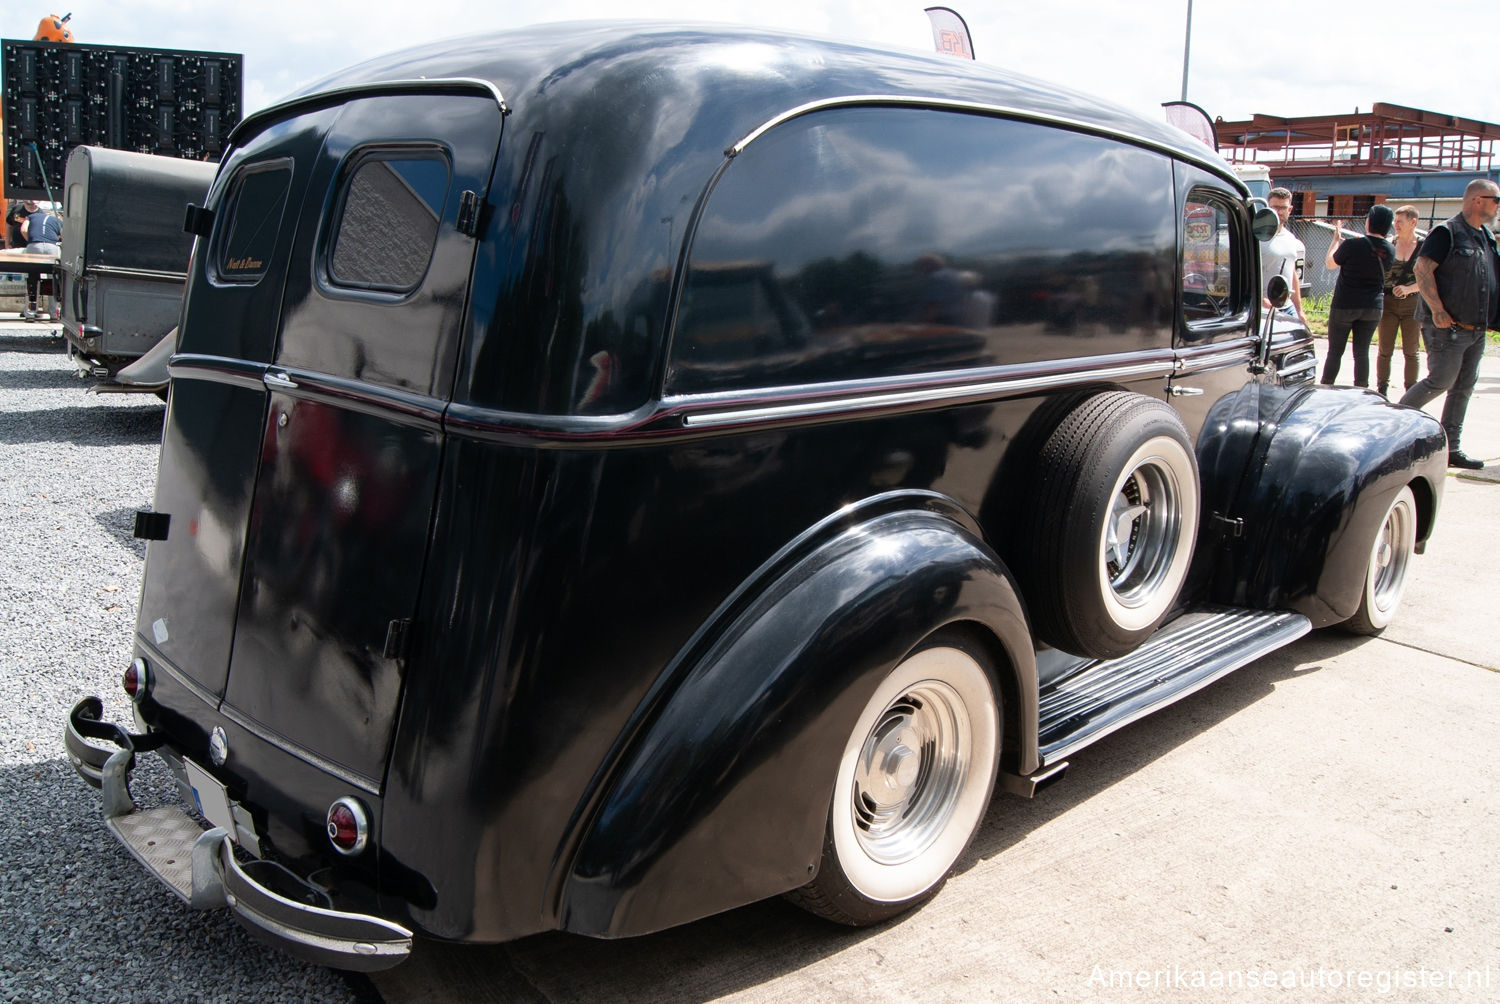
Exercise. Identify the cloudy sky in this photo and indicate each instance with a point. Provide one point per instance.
(1308, 57)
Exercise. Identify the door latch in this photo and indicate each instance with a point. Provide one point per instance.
(469, 208)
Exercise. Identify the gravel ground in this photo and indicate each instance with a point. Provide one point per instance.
(82, 921)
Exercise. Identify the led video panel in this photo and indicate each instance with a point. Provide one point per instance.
(160, 101)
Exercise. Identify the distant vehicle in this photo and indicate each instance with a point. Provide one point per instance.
(124, 254)
(1257, 178)
(616, 473)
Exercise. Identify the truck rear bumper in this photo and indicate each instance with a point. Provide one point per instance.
(202, 868)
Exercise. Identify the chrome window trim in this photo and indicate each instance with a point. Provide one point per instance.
(982, 108)
(304, 103)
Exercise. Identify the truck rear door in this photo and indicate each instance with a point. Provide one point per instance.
(338, 475)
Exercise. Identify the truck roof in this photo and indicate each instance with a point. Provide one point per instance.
(613, 135)
(740, 77)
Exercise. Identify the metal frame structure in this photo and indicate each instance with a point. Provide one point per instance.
(1388, 139)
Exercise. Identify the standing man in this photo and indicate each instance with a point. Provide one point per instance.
(1284, 254)
(1458, 275)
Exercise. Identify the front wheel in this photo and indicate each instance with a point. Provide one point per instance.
(912, 786)
(1390, 560)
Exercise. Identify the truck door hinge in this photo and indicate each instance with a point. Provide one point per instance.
(469, 211)
(398, 638)
(152, 525)
(1231, 527)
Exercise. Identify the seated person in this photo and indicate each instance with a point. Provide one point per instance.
(43, 233)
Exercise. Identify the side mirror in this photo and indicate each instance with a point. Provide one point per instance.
(1264, 224)
(1277, 290)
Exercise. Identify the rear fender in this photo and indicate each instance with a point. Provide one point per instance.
(723, 798)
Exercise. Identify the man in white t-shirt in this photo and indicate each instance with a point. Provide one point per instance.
(1284, 254)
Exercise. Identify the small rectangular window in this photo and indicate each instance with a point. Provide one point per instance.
(252, 219)
(388, 223)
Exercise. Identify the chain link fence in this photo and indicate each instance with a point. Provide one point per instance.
(1317, 238)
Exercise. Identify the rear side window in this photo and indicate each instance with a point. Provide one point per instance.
(252, 219)
(388, 219)
(877, 242)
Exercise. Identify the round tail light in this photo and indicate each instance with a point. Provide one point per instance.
(348, 826)
(137, 681)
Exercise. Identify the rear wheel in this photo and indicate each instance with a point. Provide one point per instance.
(1390, 560)
(912, 787)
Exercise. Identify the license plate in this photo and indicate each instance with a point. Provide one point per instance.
(211, 800)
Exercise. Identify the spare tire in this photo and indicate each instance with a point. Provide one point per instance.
(1108, 535)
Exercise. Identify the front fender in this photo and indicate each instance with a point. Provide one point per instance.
(1322, 466)
(724, 797)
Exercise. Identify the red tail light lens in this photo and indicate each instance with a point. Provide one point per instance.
(348, 826)
(137, 681)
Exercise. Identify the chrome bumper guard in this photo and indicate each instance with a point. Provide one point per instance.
(201, 868)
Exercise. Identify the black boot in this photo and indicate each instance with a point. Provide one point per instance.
(1461, 460)
(1381, 390)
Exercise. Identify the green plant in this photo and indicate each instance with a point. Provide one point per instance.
(1316, 308)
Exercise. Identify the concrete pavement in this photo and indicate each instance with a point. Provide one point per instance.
(1326, 816)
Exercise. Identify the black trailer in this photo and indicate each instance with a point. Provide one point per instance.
(125, 255)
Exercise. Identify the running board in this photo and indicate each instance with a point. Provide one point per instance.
(1099, 696)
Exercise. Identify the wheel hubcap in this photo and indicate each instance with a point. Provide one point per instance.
(910, 772)
(1391, 556)
(1141, 533)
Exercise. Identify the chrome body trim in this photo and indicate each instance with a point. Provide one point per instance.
(1308, 365)
(946, 393)
(1213, 165)
(404, 407)
(250, 725)
(339, 95)
(1241, 351)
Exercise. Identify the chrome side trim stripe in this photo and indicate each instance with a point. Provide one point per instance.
(1236, 353)
(134, 273)
(217, 369)
(855, 403)
(284, 744)
(401, 406)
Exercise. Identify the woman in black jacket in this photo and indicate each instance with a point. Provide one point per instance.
(1358, 294)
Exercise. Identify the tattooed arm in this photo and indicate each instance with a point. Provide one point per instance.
(1427, 286)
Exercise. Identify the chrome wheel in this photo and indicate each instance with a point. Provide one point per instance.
(1147, 537)
(1390, 561)
(915, 776)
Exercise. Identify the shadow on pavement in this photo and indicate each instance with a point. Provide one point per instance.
(743, 948)
(102, 425)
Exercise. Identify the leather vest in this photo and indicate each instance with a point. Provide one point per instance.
(1466, 279)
